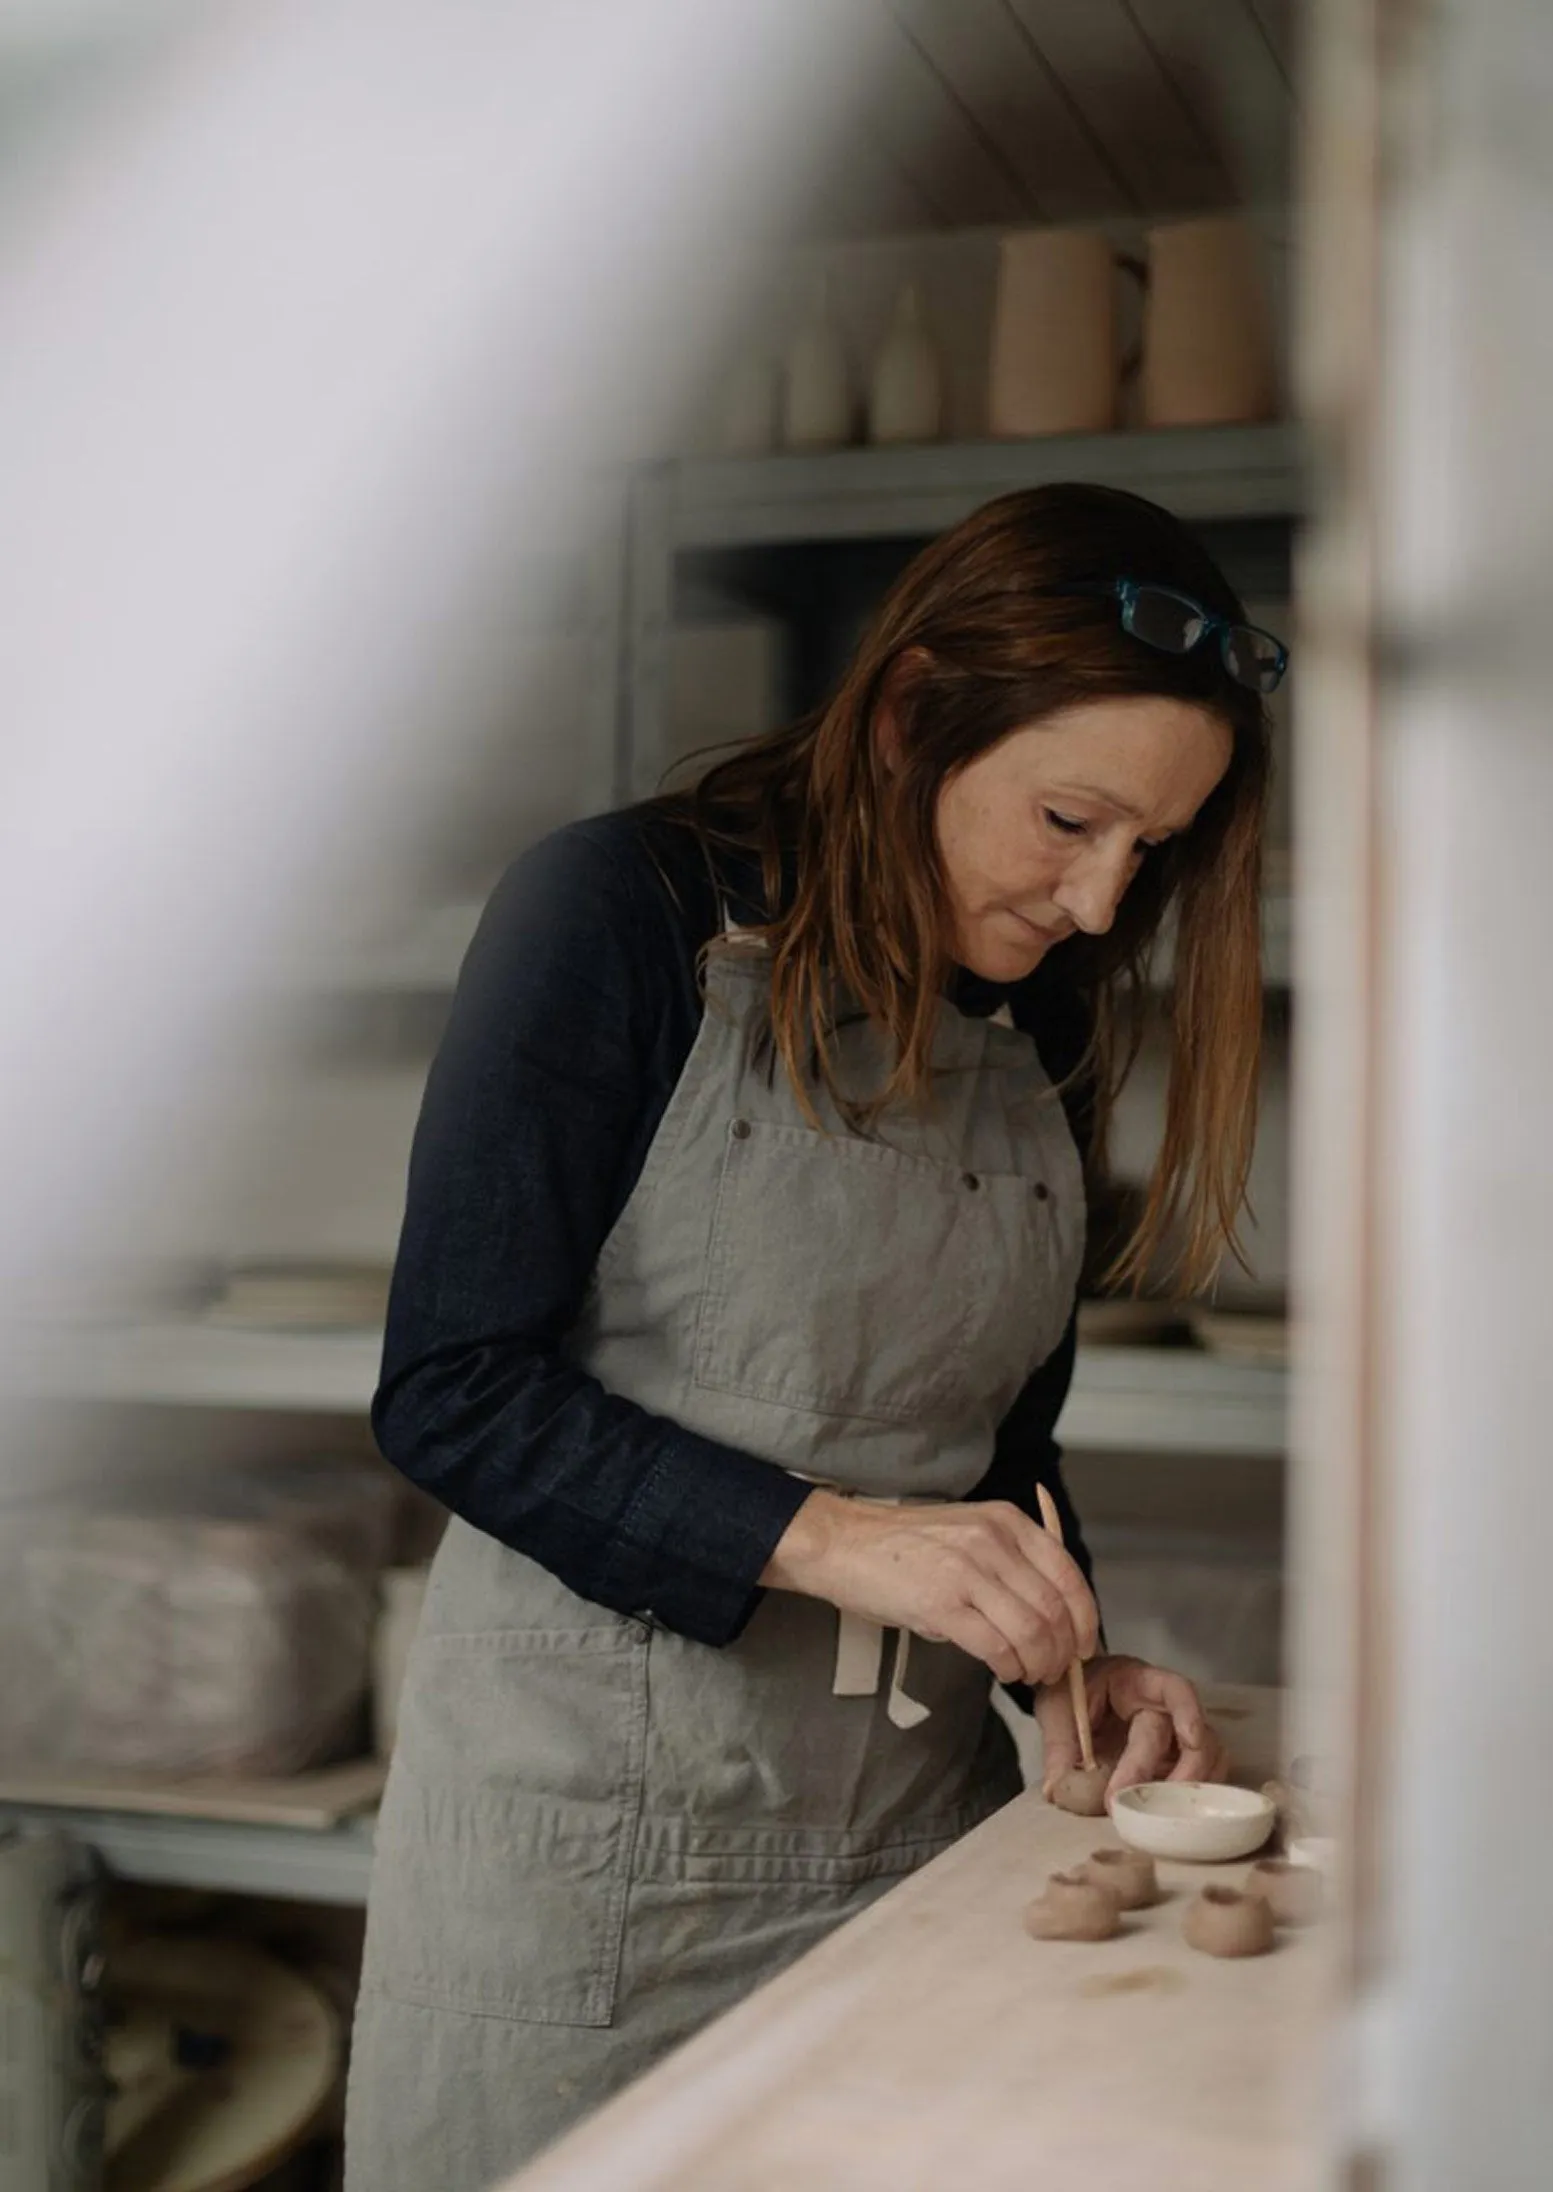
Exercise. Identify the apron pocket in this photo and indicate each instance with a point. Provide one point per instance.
(505, 1840)
(793, 1310)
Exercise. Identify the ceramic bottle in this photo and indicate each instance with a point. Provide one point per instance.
(906, 388)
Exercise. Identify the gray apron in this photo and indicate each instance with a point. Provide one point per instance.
(598, 1834)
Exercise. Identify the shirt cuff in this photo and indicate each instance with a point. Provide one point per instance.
(691, 1549)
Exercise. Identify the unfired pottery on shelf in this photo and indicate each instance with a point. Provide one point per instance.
(1223, 1922)
(1073, 1909)
(1198, 1821)
(1081, 1790)
(1128, 1873)
(1054, 363)
(1207, 334)
(906, 387)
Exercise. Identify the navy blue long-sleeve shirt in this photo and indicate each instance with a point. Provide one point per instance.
(574, 1016)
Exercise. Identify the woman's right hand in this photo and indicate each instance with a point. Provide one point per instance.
(979, 1574)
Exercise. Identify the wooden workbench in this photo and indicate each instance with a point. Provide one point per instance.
(931, 2045)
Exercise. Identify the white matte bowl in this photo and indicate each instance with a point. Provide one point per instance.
(1198, 1821)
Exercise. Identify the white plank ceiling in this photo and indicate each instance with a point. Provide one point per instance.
(984, 113)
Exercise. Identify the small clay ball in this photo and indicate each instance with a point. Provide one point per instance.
(1082, 1789)
(1293, 1893)
(1073, 1909)
(1129, 1874)
(1223, 1922)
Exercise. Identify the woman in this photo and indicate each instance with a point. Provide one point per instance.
(734, 1311)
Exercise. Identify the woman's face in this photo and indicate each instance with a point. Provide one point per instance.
(1041, 835)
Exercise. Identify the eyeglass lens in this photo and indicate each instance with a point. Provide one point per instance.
(1168, 621)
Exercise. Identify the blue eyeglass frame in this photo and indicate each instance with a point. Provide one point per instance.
(1129, 592)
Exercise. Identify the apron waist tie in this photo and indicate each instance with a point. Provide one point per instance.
(860, 1642)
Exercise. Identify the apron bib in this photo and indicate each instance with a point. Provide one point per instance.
(598, 1834)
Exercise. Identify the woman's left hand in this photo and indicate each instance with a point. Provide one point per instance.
(1147, 1722)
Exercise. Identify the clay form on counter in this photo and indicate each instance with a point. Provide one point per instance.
(1293, 1893)
(1081, 1790)
(1223, 1922)
(817, 392)
(906, 389)
(1127, 1873)
(1073, 1909)
(1199, 1821)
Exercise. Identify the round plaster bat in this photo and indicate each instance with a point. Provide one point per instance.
(1082, 1790)
(1127, 1873)
(1073, 1909)
(1293, 1893)
(1223, 1922)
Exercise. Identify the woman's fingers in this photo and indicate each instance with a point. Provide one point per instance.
(1037, 1625)
(1146, 1757)
(1135, 1687)
(1059, 1737)
(974, 1633)
(1038, 1565)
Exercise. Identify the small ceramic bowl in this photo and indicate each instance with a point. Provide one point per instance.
(1198, 1821)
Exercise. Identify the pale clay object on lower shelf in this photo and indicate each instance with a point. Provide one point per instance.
(1073, 1909)
(1127, 1873)
(1223, 1922)
(1082, 1790)
(1293, 1893)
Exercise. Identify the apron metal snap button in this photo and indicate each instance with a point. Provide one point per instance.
(969, 1179)
(1042, 1192)
(740, 1130)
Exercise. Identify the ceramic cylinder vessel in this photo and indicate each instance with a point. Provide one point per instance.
(1053, 365)
(1207, 332)
(906, 389)
(1223, 1922)
(1073, 1909)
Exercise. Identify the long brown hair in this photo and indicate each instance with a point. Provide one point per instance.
(978, 638)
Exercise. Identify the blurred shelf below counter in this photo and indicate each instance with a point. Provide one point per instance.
(1173, 1400)
(197, 1365)
(1147, 1399)
(303, 1864)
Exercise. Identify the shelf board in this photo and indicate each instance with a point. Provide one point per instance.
(1202, 473)
(303, 1864)
(1168, 1400)
(424, 956)
(206, 1366)
(1165, 1400)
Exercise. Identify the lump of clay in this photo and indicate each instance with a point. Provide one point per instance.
(1127, 1873)
(1223, 1922)
(1082, 1789)
(1293, 1893)
(1074, 1909)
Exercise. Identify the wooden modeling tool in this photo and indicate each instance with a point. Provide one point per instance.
(1076, 1690)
